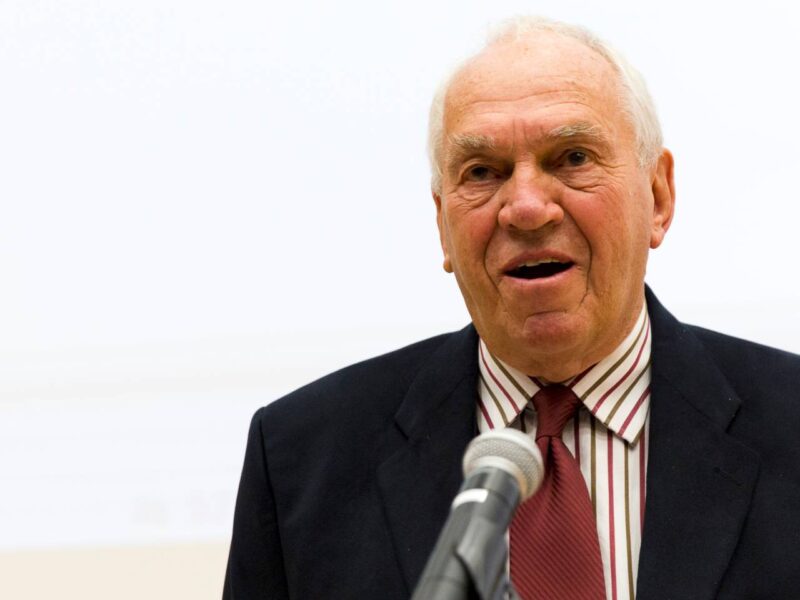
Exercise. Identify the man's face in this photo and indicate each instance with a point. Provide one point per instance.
(545, 215)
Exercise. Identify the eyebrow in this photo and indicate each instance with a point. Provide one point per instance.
(577, 130)
(465, 144)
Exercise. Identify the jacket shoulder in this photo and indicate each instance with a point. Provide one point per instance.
(767, 382)
(741, 359)
(361, 392)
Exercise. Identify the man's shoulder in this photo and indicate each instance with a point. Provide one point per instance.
(767, 383)
(742, 359)
(367, 390)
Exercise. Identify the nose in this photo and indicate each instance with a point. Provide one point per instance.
(529, 201)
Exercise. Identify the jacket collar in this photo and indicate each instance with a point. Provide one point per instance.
(699, 479)
(422, 472)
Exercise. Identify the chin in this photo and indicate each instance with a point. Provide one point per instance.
(549, 336)
(553, 327)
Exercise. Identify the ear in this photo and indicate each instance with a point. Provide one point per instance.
(442, 231)
(663, 187)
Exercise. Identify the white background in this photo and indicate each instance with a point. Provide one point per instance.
(206, 204)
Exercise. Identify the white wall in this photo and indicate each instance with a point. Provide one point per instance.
(206, 204)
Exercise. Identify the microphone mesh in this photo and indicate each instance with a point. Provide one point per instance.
(510, 450)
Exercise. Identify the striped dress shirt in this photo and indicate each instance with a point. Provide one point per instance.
(608, 438)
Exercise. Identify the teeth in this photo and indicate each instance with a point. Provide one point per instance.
(534, 263)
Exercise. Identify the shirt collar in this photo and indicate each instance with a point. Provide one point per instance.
(616, 390)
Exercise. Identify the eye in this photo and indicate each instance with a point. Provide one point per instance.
(576, 158)
(478, 173)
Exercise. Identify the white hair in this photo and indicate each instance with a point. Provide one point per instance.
(636, 100)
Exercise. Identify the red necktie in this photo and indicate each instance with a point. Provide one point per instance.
(555, 554)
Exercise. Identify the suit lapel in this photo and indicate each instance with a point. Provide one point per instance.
(421, 473)
(699, 479)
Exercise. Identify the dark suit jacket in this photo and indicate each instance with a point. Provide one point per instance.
(347, 481)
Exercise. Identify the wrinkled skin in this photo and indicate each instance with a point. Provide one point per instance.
(540, 164)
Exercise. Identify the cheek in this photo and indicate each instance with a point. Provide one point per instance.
(470, 231)
(626, 248)
(616, 233)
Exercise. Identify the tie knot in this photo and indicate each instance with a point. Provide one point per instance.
(555, 405)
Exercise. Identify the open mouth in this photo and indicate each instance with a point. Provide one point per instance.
(539, 270)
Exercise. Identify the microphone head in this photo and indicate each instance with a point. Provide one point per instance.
(513, 452)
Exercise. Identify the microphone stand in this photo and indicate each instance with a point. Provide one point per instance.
(475, 569)
(469, 559)
(484, 555)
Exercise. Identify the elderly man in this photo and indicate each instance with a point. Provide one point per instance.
(676, 445)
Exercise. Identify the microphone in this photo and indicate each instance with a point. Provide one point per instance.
(502, 469)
